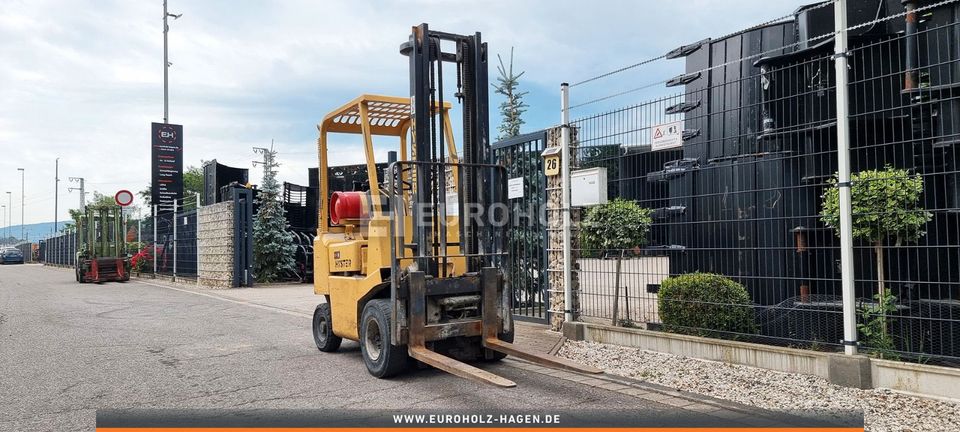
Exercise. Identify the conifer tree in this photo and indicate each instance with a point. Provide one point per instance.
(273, 248)
(512, 109)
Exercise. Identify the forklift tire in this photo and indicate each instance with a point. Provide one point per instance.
(383, 360)
(80, 276)
(323, 329)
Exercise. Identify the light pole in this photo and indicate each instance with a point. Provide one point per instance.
(3, 220)
(83, 192)
(22, 231)
(56, 191)
(9, 210)
(166, 63)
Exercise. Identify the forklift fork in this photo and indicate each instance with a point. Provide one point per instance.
(417, 348)
(490, 324)
(490, 281)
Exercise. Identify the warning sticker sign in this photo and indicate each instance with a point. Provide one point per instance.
(666, 136)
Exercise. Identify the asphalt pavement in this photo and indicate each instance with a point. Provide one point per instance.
(69, 349)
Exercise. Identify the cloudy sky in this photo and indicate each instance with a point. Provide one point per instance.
(83, 80)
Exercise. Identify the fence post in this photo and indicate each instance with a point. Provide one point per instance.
(197, 236)
(843, 181)
(155, 256)
(565, 200)
(174, 220)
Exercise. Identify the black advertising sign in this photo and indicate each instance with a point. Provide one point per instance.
(167, 165)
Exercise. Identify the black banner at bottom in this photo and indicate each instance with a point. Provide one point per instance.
(134, 419)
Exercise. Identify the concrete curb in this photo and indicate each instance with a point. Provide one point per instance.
(850, 371)
(672, 398)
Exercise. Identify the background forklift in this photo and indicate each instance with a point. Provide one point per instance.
(411, 264)
(101, 245)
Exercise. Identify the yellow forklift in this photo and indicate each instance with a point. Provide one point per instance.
(411, 261)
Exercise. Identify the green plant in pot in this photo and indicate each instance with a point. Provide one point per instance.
(886, 204)
(613, 229)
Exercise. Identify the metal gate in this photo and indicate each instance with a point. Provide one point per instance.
(527, 235)
(243, 237)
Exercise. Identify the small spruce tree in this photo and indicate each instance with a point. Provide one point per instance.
(512, 109)
(273, 249)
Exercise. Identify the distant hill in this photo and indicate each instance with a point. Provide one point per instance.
(34, 232)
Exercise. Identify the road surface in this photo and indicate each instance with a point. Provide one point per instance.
(68, 349)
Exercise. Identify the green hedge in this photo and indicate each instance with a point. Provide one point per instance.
(705, 304)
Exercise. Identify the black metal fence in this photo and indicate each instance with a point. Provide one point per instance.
(300, 207)
(59, 250)
(177, 243)
(750, 193)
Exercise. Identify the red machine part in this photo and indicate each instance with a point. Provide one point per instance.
(94, 271)
(347, 206)
(105, 270)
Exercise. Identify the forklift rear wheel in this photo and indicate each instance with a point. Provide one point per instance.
(323, 329)
(383, 359)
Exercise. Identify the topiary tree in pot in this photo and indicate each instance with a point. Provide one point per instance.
(886, 203)
(613, 229)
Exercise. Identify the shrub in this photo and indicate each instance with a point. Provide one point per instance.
(873, 326)
(614, 226)
(705, 304)
(885, 203)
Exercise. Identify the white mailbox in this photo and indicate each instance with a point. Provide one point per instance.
(588, 187)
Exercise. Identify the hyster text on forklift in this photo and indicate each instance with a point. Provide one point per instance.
(403, 270)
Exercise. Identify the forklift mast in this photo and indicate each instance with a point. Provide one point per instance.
(477, 189)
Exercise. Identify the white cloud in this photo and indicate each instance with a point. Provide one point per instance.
(82, 80)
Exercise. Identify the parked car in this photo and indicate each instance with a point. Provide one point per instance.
(11, 256)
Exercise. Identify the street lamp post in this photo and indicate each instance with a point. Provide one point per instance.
(56, 192)
(3, 220)
(83, 192)
(166, 63)
(22, 227)
(9, 210)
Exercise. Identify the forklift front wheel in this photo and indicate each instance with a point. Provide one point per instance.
(383, 360)
(323, 329)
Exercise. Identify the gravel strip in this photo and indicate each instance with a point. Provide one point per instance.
(884, 410)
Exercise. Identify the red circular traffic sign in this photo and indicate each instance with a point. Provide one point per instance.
(123, 198)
